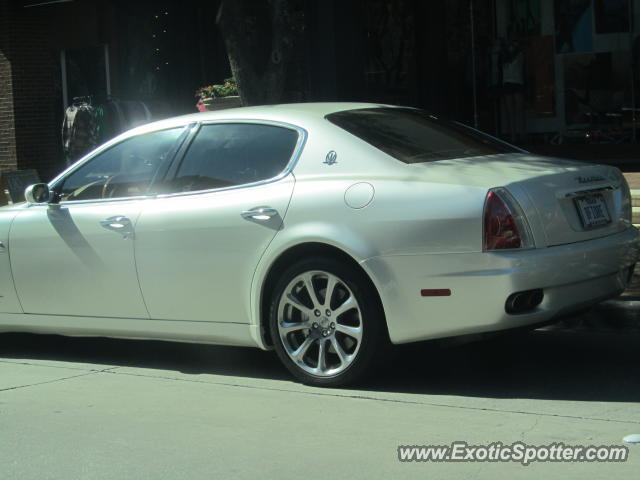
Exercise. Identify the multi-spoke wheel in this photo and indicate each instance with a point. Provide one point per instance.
(325, 322)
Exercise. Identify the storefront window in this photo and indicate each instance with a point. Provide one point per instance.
(581, 70)
(85, 72)
(389, 30)
(612, 16)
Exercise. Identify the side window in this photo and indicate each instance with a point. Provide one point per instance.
(124, 170)
(225, 155)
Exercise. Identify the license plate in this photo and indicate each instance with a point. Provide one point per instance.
(593, 210)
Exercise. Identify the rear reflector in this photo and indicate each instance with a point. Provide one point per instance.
(435, 292)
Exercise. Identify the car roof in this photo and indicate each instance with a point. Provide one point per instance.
(295, 113)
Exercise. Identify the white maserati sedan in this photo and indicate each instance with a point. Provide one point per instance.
(323, 231)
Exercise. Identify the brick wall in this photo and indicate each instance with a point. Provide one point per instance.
(29, 127)
(7, 130)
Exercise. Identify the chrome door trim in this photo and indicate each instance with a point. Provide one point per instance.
(69, 203)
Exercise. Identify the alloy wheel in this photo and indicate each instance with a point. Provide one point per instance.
(320, 323)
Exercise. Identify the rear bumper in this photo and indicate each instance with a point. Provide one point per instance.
(572, 277)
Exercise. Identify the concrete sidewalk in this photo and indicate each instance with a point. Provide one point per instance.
(633, 179)
(100, 409)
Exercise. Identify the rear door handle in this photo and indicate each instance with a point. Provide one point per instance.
(261, 213)
(119, 224)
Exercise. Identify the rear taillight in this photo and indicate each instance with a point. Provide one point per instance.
(504, 224)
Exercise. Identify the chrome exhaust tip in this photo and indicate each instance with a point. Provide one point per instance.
(521, 302)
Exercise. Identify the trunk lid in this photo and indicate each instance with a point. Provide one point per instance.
(564, 201)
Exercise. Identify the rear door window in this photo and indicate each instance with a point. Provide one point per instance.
(230, 154)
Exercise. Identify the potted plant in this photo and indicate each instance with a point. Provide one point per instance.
(218, 97)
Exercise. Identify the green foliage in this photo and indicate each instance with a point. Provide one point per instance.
(228, 88)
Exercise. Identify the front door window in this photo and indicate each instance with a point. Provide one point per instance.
(126, 169)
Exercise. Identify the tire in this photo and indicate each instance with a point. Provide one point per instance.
(324, 341)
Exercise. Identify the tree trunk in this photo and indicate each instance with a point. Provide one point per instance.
(259, 36)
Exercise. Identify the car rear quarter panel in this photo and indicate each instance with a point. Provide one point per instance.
(406, 216)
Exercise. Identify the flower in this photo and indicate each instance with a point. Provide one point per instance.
(227, 89)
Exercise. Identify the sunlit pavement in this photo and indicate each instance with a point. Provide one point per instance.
(120, 409)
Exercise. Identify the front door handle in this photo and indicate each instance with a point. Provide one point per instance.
(261, 213)
(119, 224)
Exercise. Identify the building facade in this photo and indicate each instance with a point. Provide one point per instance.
(560, 76)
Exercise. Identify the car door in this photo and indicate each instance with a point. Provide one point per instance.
(198, 246)
(75, 256)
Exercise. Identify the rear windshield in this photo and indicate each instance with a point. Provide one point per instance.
(414, 136)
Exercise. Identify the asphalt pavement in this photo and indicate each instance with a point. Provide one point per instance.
(83, 408)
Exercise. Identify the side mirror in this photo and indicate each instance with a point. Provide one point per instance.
(37, 193)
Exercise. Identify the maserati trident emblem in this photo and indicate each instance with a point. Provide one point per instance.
(594, 178)
(331, 158)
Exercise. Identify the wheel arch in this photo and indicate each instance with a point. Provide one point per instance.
(287, 258)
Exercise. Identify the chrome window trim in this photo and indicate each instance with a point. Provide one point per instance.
(105, 146)
(111, 143)
(295, 156)
(95, 200)
(293, 160)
